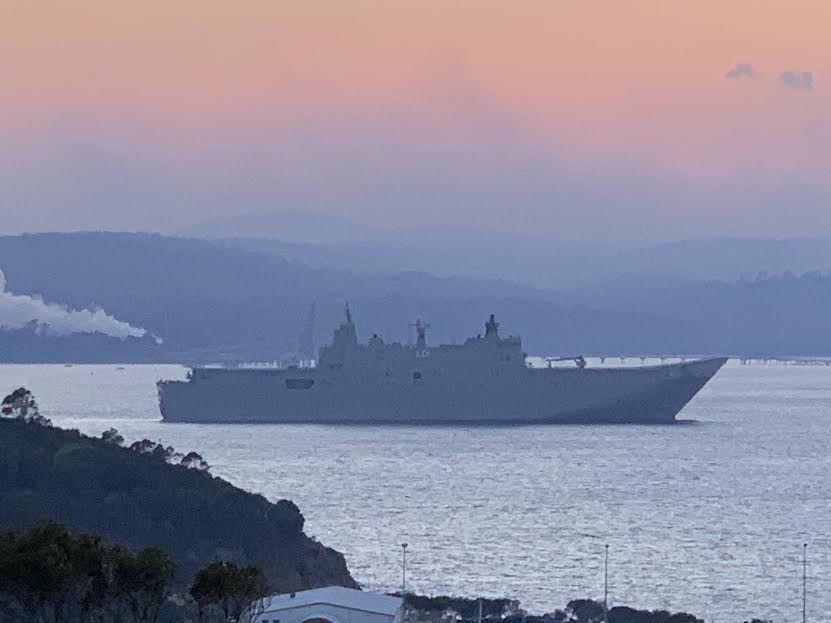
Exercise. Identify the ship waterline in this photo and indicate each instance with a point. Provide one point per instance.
(486, 380)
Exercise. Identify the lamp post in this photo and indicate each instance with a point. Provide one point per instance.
(606, 585)
(403, 568)
(804, 580)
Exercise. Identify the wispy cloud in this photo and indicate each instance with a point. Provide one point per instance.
(797, 79)
(739, 71)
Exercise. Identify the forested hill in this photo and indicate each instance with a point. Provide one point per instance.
(213, 302)
(139, 500)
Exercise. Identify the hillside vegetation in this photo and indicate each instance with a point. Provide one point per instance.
(138, 500)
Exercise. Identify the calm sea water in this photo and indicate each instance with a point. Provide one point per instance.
(707, 517)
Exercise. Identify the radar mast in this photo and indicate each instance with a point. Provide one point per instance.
(421, 333)
(492, 327)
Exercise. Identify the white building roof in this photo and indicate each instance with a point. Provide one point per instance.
(339, 596)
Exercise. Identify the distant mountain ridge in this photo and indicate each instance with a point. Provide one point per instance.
(539, 259)
(212, 301)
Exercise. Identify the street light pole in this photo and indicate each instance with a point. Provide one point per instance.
(606, 585)
(403, 568)
(804, 580)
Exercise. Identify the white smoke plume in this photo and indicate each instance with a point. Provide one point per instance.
(18, 311)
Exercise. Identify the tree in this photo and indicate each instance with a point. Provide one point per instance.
(111, 435)
(51, 575)
(191, 460)
(586, 610)
(194, 460)
(236, 592)
(559, 616)
(141, 581)
(21, 404)
(145, 446)
(48, 574)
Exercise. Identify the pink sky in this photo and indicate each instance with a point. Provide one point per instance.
(227, 99)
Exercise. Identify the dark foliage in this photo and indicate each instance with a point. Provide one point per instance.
(224, 591)
(138, 501)
(586, 610)
(111, 435)
(51, 575)
(194, 460)
(141, 581)
(21, 404)
(590, 611)
(508, 611)
(191, 460)
(467, 608)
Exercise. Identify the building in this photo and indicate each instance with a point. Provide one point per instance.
(333, 604)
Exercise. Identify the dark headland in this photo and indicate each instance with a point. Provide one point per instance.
(139, 500)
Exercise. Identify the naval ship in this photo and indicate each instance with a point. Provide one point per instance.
(486, 380)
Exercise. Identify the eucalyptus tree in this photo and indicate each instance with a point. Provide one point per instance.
(51, 575)
(229, 592)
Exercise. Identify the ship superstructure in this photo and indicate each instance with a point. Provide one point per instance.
(485, 380)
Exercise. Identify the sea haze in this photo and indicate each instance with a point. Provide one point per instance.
(707, 517)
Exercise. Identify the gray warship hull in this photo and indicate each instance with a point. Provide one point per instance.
(486, 380)
(647, 395)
